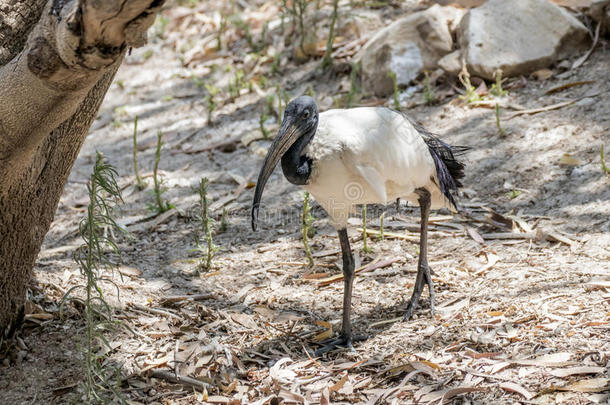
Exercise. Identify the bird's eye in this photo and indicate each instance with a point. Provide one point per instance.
(306, 114)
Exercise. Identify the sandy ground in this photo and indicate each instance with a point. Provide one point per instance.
(520, 320)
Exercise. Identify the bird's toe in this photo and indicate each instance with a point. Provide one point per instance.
(341, 343)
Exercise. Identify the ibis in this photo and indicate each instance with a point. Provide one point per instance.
(364, 155)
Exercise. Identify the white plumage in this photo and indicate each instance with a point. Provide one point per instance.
(368, 155)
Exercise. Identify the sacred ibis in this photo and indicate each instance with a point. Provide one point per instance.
(365, 155)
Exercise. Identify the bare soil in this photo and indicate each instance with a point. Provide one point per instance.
(518, 319)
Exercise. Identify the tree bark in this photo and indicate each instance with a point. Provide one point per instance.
(58, 59)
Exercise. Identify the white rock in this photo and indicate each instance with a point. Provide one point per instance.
(518, 36)
(451, 63)
(406, 47)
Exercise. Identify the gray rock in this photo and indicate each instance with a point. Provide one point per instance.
(518, 36)
(451, 63)
(599, 11)
(407, 47)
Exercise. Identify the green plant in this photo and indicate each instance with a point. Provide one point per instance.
(160, 25)
(160, 205)
(210, 100)
(248, 35)
(140, 184)
(354, 89)
(189, 3)
(270, 101)
(307, 229)
(261, 122)
(470, 95)
(263, 81)
(93, 258)
(197, 81)
(205, 243)
(513, 194)
(300, 7)
(275, 66)
(280, 107)
(601, 155)
(429, 96)
(500, 129)
(221, 28)
(327, 60)
(119, 114)
(310, 91)
(396, 99)
(298, 13)
(224, 223)
(236, 84)
(365, 246)
(263, 36)
(496, 88)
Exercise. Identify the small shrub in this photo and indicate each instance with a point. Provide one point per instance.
(160, 205)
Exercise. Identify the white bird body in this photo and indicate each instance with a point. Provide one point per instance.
(368, 155)
(363, 155)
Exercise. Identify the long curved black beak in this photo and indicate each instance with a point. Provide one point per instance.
(287, 135)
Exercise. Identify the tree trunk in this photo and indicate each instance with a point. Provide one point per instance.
(58, 59)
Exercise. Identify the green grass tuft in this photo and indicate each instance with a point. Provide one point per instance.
(307, 229)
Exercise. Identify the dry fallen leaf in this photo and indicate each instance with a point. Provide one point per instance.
(325, 398)
(592, 385)
(217, 399)
(548, 360)
(339, 384)
(448, 311)
(495, 313)
(568, 160)
(510, 386)
(280, 374)
(475, 235)
(453, 392)
(291, 396)
(130, 271)
(244, 320)
(327, 334)
(565, 372)
(542, 74)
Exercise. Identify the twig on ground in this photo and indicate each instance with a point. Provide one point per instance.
(179, 298)
(578, 62)
(156, 311)
(550, 107)
(374, 265)
(177, 379)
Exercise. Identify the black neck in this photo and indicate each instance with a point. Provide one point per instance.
(295, 165)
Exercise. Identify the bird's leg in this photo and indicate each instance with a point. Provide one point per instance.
(345, 339)
(423, 270)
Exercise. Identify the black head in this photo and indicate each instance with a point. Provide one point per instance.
(298, 124)
(303, 111)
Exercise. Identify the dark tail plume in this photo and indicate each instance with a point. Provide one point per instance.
(449, 170)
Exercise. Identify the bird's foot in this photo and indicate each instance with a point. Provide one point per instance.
(342, 342)
(413, 305)
(423, 277)
(415, 299)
